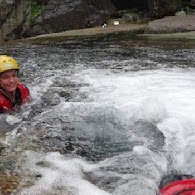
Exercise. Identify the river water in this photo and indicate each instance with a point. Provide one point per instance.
(107, 117)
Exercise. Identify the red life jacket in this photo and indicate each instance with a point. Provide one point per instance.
(181, 187)
(6, 104)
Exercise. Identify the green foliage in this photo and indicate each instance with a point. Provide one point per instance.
(189, 10)
(35, 10)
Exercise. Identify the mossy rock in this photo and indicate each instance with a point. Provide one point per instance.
(36, 9)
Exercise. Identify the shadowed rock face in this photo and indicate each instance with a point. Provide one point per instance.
(62, 15)
(124, 4)
(156, 8)
(192, 3)
(189, 3)
(14, 18)
(41, 2)
(161, 8)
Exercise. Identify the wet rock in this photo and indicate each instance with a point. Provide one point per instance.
(2, 146)
(172, 24)
(62, 15)
(173, 177)
(148, 134)
(75, 138)
(93, 140)
(9, 184)
(13, 183)
(124, 174)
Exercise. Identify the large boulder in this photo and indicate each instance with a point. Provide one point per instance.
(160, 8)
(156, 8)
(62, 15)
(172, 24)
(14, 18)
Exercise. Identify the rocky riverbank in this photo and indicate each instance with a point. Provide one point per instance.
(28, 18)
(129, 31)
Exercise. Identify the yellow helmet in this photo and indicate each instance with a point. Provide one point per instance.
(7, 63)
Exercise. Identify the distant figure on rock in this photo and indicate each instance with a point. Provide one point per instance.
(104, 25)
(12, 92)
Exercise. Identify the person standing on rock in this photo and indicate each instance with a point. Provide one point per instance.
(13, 93)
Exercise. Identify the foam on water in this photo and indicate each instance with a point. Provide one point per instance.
(60, 175)
(113, 115)
(37, 90)
(164, 97)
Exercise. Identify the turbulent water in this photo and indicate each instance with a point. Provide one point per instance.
(105, 118)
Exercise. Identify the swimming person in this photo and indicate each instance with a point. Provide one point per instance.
(13, 93)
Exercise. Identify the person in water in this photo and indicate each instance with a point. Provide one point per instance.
(12, 92)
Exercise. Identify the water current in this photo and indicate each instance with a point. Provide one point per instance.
(106, 118)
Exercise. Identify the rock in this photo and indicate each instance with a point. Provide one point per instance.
(172, 24)
(5, 8)
(190, 3)
(161, 8)
(172, 177)
(2, 146)
(124, 4)
(131, 17)
(156, 8)
(148, 133)
(12, 183)
(14, 18)
(181, 13)
(9, 184)
(134, 16)
(62, 15)
(41, 2)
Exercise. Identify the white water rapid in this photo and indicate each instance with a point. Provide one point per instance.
(166, 98)
(106, 118)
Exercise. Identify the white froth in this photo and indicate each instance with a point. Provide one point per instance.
(38, 90)
(164, 97)
(60, 175)
(13, 119)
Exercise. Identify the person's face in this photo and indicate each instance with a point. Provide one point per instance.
(9, 80)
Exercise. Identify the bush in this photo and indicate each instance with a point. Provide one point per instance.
(35, 10)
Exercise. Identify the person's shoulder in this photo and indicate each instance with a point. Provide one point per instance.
(22, 86)
(24, 91)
